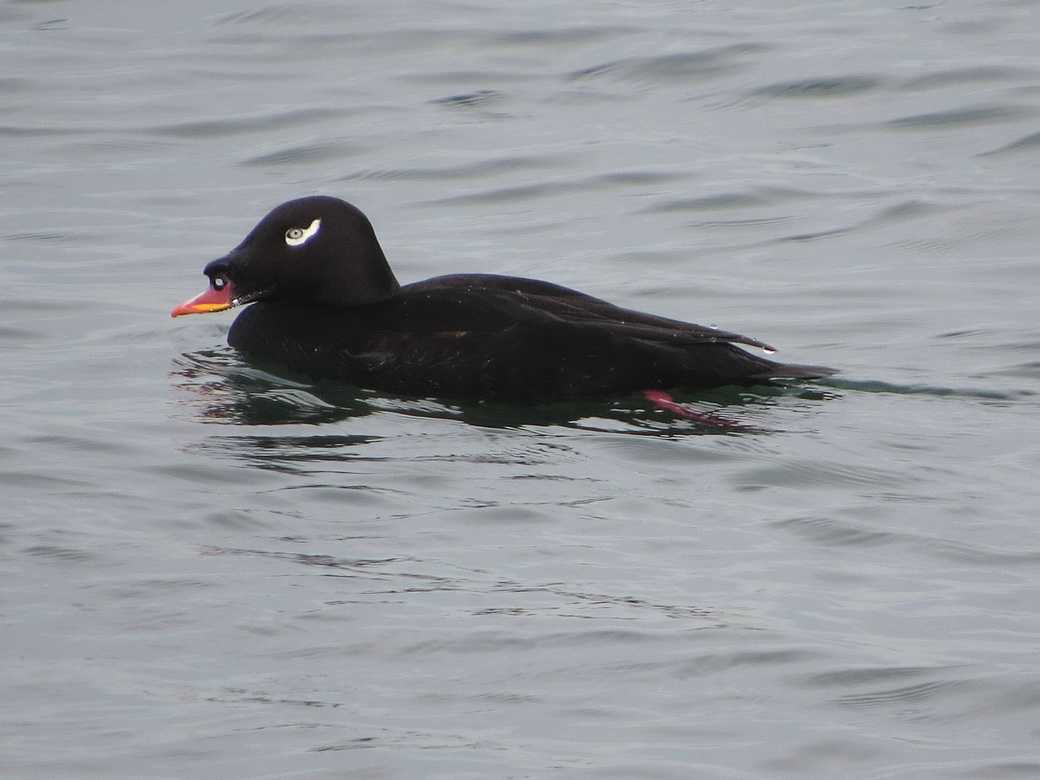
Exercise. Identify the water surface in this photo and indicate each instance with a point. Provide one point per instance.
(213, 570)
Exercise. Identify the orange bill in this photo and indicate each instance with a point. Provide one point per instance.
(207, 301)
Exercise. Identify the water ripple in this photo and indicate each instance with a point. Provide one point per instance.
(958, 77)
(617, 179)
(1027, 144)
(319, 151)
(920, 692)
(564, 37)
(961, 117)
(819, 474)
(479, 169)
(470, 99)
(259, 123)
(58, 553)
(821, 87)
(763, 196)
(829, 531)
(834, 532)
(866, 675)
(676, 66)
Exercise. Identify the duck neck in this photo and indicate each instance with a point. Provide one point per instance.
(366, 279)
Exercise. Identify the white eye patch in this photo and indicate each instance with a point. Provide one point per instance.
(296, 236)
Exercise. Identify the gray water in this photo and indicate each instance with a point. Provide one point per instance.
(210, 570)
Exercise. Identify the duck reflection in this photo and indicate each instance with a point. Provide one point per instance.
(218, 386)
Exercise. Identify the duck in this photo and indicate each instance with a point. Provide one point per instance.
(319, 298)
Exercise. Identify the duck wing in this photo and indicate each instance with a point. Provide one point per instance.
(576, 307)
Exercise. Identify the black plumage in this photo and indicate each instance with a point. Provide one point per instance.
(330, 307)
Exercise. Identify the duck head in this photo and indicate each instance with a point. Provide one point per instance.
(318, 250)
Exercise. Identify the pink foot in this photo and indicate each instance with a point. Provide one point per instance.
(663, 401)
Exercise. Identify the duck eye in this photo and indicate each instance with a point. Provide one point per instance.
(219, 282)
(297, 235)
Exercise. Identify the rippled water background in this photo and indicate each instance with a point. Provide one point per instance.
(211, 571)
